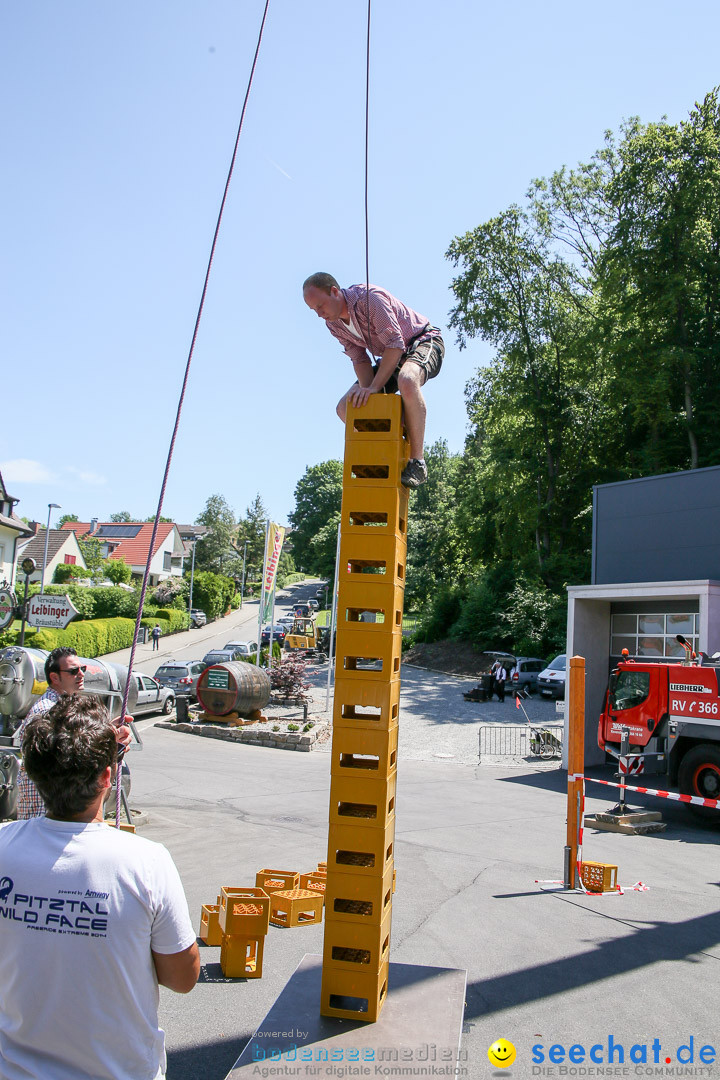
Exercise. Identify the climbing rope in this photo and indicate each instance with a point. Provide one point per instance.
(367, 159)
(201, 306)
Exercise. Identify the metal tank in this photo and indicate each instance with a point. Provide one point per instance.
(22, 682)
(233, 687)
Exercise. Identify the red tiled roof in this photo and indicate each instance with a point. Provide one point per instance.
(134, 550)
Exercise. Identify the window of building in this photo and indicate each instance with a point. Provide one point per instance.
(70, 560)
(167, 560)
(653, 635)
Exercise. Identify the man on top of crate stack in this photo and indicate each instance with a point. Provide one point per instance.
(370, 322)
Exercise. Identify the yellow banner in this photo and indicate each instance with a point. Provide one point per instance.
(276, 535)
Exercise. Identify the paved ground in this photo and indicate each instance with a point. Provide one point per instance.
(544, 967)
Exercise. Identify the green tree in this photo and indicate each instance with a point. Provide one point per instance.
(251, 529)
(117, 571)
(162, 520)
(437, 548)
(217, 549)
(121, 515)
(92, 553)
(660, 283)
(318, 496)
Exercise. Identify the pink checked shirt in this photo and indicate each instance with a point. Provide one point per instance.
(30, 803)
(392, 324)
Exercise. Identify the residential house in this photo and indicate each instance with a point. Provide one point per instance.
(12, 529)
(130, 541)
(62, 547)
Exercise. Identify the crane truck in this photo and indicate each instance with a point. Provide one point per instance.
(666, 717)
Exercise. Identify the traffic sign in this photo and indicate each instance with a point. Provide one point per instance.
(8, 603)
(51, 611)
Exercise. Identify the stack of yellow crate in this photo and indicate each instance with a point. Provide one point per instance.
(358, 893)
(244, 919)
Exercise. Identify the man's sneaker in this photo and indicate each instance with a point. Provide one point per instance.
(414, 474)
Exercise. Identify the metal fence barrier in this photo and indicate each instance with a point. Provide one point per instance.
(513, 740)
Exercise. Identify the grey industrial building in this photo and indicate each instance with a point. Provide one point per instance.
(655, 574)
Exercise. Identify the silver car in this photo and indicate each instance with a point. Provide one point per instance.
(152, 697)
(181, 676)
(244, 648)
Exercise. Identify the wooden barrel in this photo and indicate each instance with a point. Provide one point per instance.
(233, 687)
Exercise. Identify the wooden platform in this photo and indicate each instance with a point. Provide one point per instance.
(420, 1026)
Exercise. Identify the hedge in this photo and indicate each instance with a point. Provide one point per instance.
(94, 637)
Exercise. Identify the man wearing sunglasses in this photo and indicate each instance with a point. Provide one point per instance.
(64, 674)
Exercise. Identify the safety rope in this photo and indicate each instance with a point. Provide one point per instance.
(201, 306)
(367, 170)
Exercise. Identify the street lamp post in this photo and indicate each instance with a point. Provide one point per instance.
(242, 587)
(51, 506)
(192, 575)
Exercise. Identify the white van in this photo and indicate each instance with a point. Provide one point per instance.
(551, 682)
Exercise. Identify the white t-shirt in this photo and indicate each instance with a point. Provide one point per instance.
(81, 906)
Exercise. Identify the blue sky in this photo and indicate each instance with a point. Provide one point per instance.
(118, 123)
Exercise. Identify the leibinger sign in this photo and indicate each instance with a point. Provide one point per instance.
(276, 535)
(51, 611)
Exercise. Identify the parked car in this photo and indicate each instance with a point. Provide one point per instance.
(218, 656)
(278, 634)
(242, 648)
(181, 676)
(523, 675)
(551, 681)
(314, 604)
(286, 621)
(197, 617)
(152, 697)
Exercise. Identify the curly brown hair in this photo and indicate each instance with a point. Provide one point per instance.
(65, 751)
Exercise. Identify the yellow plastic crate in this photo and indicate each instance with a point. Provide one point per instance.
(244, 910)
(364, 754)
(379, 418)
(355, 899)
(367, 852)
(364, 654)
(377, 510)
(365, 704)
(599, 877)
(240, 957)
(210, 929)
(357, 946)
(362, 802)
(296, 907)
(353, 995)
(274, 880)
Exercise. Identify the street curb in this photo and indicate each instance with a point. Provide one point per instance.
(277, 740)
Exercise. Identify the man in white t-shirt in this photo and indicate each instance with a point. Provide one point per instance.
(91, 918)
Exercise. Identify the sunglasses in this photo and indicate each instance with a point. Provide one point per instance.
(74, 670)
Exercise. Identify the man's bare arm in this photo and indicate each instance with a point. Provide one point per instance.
(178, 971)
(388, 362)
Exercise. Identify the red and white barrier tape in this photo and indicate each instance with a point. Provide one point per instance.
(696, 800)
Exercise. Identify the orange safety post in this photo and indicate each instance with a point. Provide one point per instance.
(575, 764)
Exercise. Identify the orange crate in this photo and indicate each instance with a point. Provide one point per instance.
(274, 880)
(241, 958)
(372, 464)
(384, 510)
(296, 907)
(599, 877)
(379, 418)
(357, 946)
(355, 899)
(252, 919)
(365, 704)
(385, 601)
(354, 801)
(353, 995)
(365, 754)
(366, 654)
(210, 930)
(367, 852)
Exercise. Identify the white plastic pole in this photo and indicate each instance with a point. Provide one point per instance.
(262, 595)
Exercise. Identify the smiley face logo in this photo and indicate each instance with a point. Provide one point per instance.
(502, 1053)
